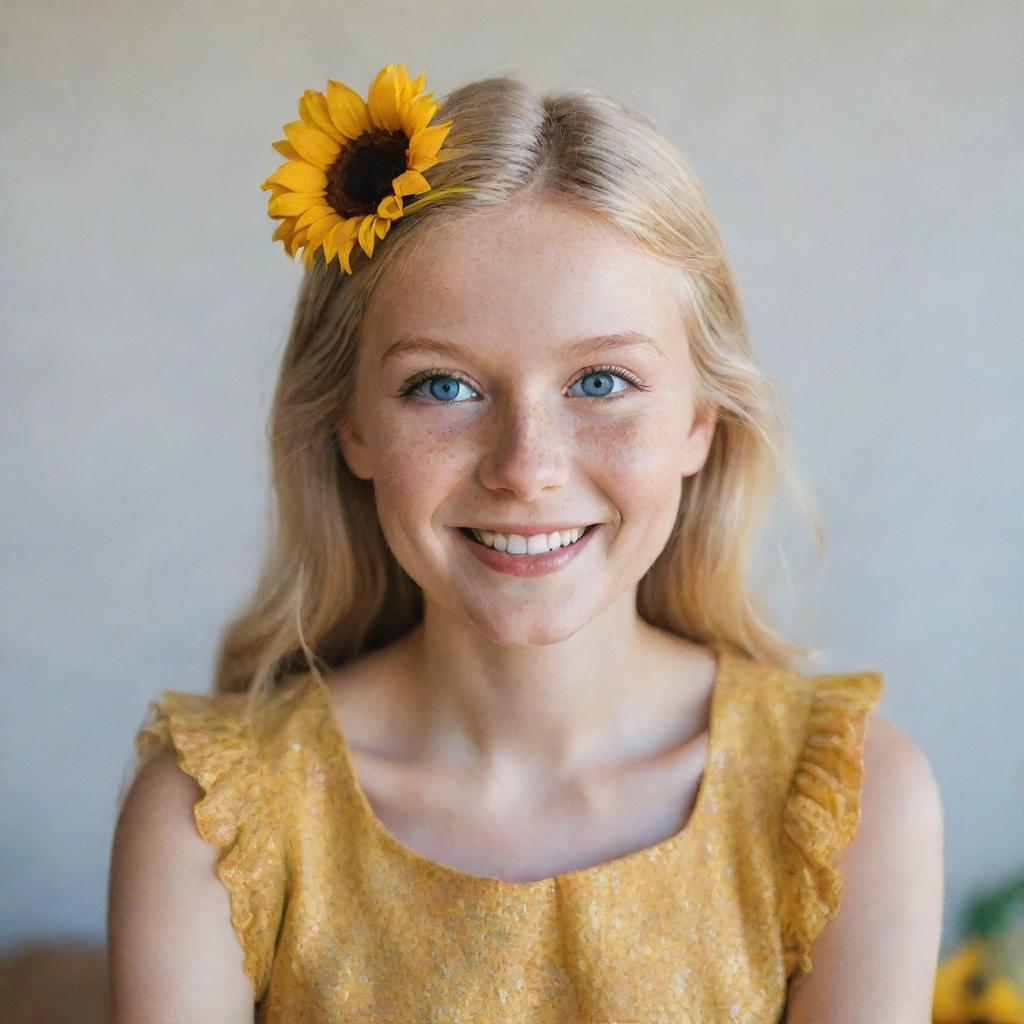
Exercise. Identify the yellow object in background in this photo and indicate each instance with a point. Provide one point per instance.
(967, 991)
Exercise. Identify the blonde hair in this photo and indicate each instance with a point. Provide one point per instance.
(330, 588)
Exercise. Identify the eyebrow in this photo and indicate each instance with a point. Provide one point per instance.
(575, 349)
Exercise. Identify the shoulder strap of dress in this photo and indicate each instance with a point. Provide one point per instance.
(218, 744)
(821, 811)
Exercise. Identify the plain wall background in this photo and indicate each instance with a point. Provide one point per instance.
(864, 162)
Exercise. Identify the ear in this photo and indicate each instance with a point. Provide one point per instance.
(354, 449)
(698, 441)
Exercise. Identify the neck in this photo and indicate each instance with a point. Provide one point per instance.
(611, 692)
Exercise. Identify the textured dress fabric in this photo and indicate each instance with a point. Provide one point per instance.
(339, 921)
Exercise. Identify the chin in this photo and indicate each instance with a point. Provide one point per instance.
(528, 630)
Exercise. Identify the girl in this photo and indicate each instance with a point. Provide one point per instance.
(502, 736)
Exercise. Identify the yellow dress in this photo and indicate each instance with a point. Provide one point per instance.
(339, 921)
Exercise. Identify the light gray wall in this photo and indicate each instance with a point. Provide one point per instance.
(864, 161)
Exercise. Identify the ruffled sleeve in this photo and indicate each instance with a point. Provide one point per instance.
(822, 809)
(216, 743)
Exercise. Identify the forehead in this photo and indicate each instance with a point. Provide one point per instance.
(531, 274)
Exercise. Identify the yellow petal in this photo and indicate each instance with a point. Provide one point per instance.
(410, 91)
(366, 234)
(299, 177)
(297, 239)
(318, 232)
(313, 111)
(349, 229)
(347, 110)
(292, 204)
(381, 225)
(383, 99)
(314, 240)
(402, 84)
(425, 144)
(314, 146)
(344, 251)
(402, 74)
(449, 154)
(314, 214)
(390, 206)
(330, 242)
(418, 115)
(372, 101)
(410, 183)
(286, 149)
(424, 163)
(434, 195)
(283, 232)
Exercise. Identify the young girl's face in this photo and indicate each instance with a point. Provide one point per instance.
(517, 428)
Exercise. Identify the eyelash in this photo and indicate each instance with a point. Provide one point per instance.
(618, 371)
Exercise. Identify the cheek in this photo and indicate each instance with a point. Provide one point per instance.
(415, 461)
(637, 463)
(638, 446)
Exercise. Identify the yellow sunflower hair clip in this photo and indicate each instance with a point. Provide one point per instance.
(351, 163)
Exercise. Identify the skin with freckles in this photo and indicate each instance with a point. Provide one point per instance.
(542, 681)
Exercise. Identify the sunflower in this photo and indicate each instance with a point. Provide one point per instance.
(351, 163)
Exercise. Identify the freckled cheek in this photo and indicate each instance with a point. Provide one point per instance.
(638, 466)
(415, 471)
(638, 447)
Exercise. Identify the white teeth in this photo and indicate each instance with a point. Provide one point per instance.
(517, 544)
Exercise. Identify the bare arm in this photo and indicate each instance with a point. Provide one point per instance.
(173, 954)
(876, 959)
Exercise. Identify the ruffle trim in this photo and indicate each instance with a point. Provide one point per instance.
(215, 743)
(822, 809)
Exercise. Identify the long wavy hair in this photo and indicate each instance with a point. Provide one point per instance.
(330, 588)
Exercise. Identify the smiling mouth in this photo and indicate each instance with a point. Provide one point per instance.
(468, 532)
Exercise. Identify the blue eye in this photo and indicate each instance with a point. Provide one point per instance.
(447, 391)
(603, 376)
(450, 382)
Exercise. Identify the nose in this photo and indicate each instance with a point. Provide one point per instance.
(526, 452)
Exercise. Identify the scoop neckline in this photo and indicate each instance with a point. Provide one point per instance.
(687, 833)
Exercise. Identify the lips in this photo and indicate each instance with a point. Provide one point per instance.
(526, 565)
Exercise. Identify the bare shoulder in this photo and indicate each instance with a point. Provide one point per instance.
(902, 821)
(173, 953)
(159, 779)
(899, 782)
(156, 815)
(876, 958)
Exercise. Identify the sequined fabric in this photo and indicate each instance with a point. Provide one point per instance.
(339, 921)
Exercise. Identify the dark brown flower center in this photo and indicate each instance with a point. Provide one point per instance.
(361, 176)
